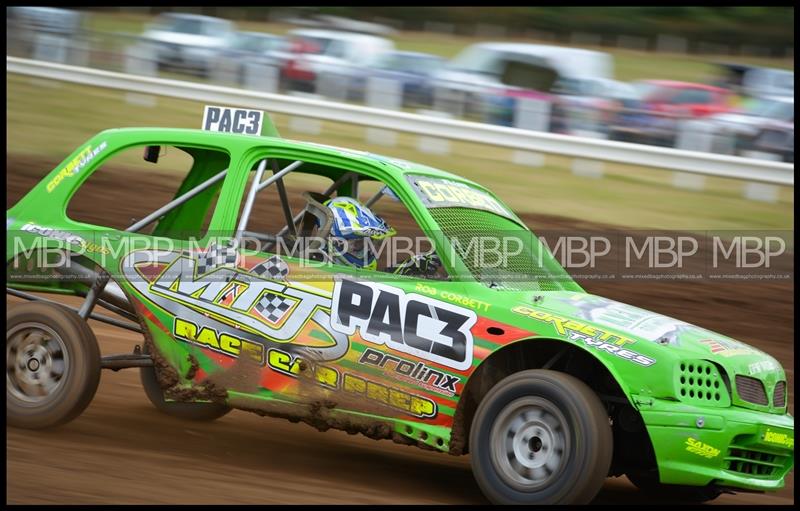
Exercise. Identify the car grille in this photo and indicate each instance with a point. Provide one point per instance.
(751, 390)
(779, 395)
(743, 460)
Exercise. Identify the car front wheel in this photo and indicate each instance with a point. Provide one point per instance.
(541, 437)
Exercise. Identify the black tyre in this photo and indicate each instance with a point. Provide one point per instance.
(186, 411)
(672, 493)
(540, 437)
(52, 365)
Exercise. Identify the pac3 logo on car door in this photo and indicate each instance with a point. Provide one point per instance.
(407, 322)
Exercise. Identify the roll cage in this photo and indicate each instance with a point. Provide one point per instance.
(270, 159)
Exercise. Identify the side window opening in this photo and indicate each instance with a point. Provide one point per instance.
(136, 182)
(307, 191)
(268, 216)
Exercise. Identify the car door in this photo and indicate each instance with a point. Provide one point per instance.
(326, 332)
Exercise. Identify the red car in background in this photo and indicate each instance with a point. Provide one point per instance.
(655, 117)
(316, 52)
(684, 98)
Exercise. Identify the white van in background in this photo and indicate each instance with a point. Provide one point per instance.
(481, 68)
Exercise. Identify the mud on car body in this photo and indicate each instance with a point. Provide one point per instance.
(550, 389)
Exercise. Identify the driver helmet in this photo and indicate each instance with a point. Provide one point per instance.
(353, 225)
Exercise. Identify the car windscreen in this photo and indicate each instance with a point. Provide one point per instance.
(497, 249)
(500, 253)
(187, 26)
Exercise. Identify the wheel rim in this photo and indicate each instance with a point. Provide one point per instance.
(530, 443)
(36, 363)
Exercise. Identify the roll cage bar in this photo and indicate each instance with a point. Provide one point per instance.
(99, 280)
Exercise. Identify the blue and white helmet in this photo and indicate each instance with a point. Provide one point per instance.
(353, 225)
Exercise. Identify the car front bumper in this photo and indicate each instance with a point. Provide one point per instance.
(729, 447)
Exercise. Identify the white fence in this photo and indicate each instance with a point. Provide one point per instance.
(529, 147)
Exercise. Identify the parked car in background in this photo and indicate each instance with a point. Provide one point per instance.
(245, 44)
(592, 89)
(501, 108)
(414, 71)
(51, 20)
(251, 46)
(776, 139)
(480, 70)
(188, 42)
(25, 23)
(312, 53)
(766, 125)
(755, 81)
(684, 98)
(655, 117)
(589, 104)
(754, 116)
(765, 81)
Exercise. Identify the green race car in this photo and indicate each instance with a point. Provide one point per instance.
(549, 388)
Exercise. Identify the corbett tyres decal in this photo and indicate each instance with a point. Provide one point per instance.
(254, 304)
(639, 322)
(75, 165)
(591, 336)
(624, 353)
(563, 325)
(407, 322)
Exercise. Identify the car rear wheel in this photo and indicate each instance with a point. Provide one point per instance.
(540, 437)
(186, 411)
(52, 365)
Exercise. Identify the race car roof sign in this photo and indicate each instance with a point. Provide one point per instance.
(233, 120)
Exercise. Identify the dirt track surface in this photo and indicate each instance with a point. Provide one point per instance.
(121, 450)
